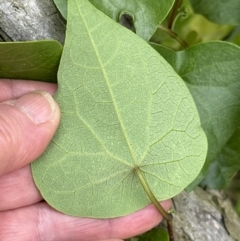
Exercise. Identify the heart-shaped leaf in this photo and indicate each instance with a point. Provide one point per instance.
(212, 74)
(146, 14)
(38, 60)
(128, 123)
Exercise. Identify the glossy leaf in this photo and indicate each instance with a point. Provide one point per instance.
(156, 234)
(219, 11)
(126, 116)
(146, 14)
(35, 60)
(212, 74)
(225, 165)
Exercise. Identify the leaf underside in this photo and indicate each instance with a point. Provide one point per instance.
(211, 72)
(122, 108)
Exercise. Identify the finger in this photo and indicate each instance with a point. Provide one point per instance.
(40, 222)
(18, 189)
(12, 89)
(27, 125)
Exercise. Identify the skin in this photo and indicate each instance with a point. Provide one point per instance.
(24, 216)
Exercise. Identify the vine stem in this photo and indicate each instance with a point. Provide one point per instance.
(155, 202)
(174, 36)
(176, 5)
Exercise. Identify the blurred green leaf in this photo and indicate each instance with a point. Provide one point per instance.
(156, 234)
(147, 14)
(193, 29)
(35, 60)
(236, 38)
(219, 11)
(225, 165)
(212, 74)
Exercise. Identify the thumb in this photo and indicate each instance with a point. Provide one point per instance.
(27, 125)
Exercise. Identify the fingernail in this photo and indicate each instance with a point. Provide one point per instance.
(39, 106)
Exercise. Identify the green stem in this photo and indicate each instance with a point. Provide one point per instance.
(174, 36)
(151, 196)
(170, 230)
(176, 6)
(180, 14)
(155, 202)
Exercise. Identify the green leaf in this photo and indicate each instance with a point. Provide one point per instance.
(212, 74)
(236, 38)
(126, 119)
(36, 60)
(147, 14)
(62, 7)
(156, 234)
(226, 164)
(219, 11)
(193, 29)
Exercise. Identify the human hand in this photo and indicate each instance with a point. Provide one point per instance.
(28, 121)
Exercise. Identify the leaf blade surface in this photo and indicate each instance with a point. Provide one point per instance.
(223, 12)
(31, 60)
(211, 72)
(121, 105)
(225, 165)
